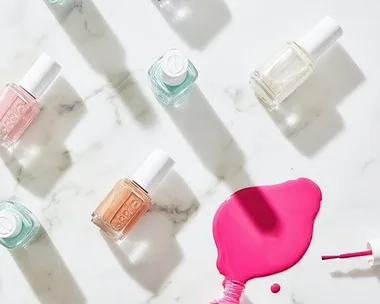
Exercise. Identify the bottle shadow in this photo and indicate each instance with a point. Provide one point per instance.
(150, 252)
(210, 140)
(40, 157)
(308, 117)
(175, 200)
(190, 19)
(261, 213)
(358, 273)
(46, 272)
(101, 49)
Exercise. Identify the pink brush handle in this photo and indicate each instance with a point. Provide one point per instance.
(347, 255)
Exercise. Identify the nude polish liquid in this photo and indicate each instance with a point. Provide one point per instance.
(129, 200)
(275, 80)
(19, 102)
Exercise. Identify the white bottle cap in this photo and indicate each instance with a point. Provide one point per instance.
(10, 224)
(174, 66)
(153, 170)
(40, 76)
(321, 37)
(374, 245)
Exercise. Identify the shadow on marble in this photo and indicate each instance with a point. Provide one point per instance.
(191, 20)
(99, 46)
(358, 273)
(210, 140)
(150, 252)
(175, 199)
(46, 272)
(309, 118)
(40, 157)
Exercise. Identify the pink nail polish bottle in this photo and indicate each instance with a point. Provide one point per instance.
(19, 102)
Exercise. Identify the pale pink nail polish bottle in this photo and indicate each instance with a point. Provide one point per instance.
(19, 102)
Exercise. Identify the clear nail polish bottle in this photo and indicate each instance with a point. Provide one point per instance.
(19, 102)
(274, 81)
(171, 77)
(129, 200)
(18, 226)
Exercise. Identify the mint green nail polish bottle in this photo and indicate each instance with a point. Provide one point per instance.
(18, 226)
(172, 76)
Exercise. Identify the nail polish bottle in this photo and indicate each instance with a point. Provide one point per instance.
(274, 81)
(171, 77)
(18, 226)
(129, 200)
(19, 102)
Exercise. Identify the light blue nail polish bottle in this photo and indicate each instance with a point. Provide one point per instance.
(18, 226)
(172, 77)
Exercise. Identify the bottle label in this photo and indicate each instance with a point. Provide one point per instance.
(127, 212)
(12, 117)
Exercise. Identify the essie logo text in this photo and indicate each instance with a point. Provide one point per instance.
(126, 213)
(13, 115)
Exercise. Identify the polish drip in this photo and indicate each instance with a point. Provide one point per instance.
(233, 291)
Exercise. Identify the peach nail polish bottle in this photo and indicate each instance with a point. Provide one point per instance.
(130, 199)
(19, 102)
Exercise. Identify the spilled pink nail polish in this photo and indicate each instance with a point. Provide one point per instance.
(260, 231)
(275, 288)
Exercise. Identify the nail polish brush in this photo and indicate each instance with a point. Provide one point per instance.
(347, 255)
(372, 253)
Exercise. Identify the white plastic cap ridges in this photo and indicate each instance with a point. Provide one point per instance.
(153, 170)
(321, 37)
(10, 224)
(39, 77)
(174, 66)
(374, 245)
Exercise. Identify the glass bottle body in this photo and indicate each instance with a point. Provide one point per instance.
(274, 81)
(121, 209)
(30, 225)
(171, 95)
(17, 111)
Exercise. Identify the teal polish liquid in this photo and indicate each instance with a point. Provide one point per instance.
(29, 229)
(171, 95)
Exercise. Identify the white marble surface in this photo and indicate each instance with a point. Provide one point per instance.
(100, 121)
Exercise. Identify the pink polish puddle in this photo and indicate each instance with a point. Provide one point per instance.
(260, 231)
(275, 288)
